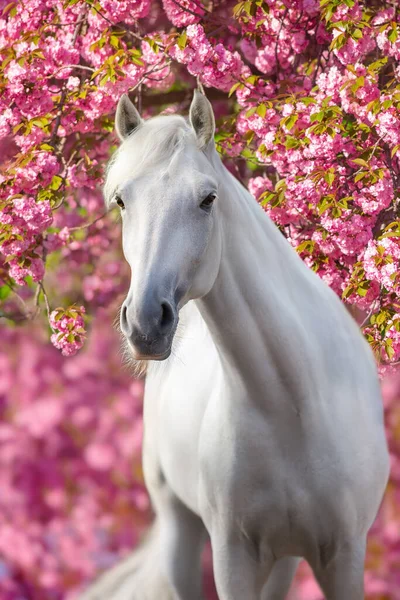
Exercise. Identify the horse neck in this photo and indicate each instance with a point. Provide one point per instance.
(251, 304)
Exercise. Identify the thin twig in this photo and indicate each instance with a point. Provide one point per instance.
(65, 24)
(19, 298)
(191, 12)
(46, 299)
(367, 318)
(87, 225)
(84, 67)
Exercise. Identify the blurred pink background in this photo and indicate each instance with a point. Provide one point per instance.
(72, 495)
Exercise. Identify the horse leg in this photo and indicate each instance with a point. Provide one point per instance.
(238, 573)
(280, 579)
(182, 537)
(343, 576)
(166, 566)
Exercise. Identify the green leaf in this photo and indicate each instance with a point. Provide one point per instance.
(114, 41)
(307, 245)
(262, 110)
(338, 42)
(137, 61)
(234, 88)
(56, 182)
(390, 234)
(281, 185)
(182, 40)
(317, 116)
(394, 150)
(393, 35)
(307, 100)
(362, 292)
(347, 291)
(251, 111)
(237, 9)
(5, 291)
(329, 177)
(324, 205)
(331, 132)
(359, 82)
(264, 6)
(252, 79)
(389, 349)
(292, 142)
(343, 202)
(360, 176)
(377, 65)
(41, 122)
(8, 8)
(266, 197)
(290, 121)
(16, 128)
(380, 318)
(361, 162)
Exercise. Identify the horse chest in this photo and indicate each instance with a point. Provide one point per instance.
(262, 485)
(248, 464)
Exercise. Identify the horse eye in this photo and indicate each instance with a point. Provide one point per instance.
(120, 202)
(208, 202)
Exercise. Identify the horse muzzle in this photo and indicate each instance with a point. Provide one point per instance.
(150, 328)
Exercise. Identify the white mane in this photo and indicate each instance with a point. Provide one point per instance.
(150, 144)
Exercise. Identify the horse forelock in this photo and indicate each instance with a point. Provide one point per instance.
(157, 141)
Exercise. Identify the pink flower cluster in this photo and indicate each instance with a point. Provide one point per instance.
(215, 65)
(24, 221)
(381, 263)
(69, 329)
(184, 12)
(334, 146)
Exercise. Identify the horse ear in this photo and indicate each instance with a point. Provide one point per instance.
(201, 118)
(127, 118)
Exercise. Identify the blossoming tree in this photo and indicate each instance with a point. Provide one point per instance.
(307, 100)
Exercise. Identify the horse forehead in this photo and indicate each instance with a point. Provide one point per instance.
(171, 180)
(184, 172)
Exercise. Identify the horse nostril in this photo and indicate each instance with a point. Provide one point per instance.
(124, 319)
(167, 317)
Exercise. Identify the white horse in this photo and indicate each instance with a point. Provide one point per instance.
(263, 425)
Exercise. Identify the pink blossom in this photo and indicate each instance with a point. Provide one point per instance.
(69, 329)
(216, 65)
(33, 268)
(100, 456)
(258, 185)
(381, 260)
(183, 13)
